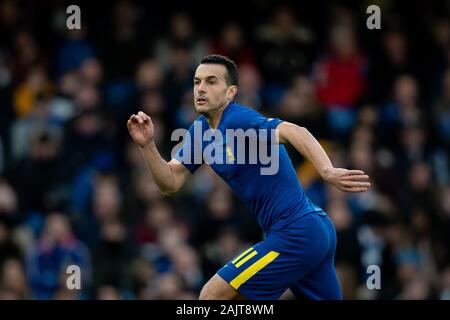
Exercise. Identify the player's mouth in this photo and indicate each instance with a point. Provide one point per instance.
(201, 100)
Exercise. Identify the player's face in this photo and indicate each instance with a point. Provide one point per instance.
(211, 90)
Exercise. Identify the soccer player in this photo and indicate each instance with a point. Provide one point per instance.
(300, 240)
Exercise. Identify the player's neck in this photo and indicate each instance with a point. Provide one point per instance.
(213, 117)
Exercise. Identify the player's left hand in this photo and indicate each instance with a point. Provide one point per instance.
(347, 180)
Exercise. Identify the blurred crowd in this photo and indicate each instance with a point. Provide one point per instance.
(74, 188)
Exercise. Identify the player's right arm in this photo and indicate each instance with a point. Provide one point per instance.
(168, 176)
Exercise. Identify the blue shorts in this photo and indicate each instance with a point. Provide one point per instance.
(299, 257)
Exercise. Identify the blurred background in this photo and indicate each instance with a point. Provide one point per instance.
(74, 189)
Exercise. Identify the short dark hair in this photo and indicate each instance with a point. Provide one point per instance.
(232, 70)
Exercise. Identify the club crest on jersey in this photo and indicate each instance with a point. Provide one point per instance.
(230, 155)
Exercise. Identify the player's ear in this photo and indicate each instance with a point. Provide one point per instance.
(232, 90)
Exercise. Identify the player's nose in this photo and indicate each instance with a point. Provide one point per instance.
(201, 88)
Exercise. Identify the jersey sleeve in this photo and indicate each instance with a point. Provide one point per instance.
(262, 122)
(252, 119)
(190, 152)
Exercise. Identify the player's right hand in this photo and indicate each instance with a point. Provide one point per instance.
(141, 128)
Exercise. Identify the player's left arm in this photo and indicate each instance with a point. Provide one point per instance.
(305, 143)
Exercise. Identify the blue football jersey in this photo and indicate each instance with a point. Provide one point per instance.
(274, 196)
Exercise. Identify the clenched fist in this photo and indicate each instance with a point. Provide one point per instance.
(141, 128)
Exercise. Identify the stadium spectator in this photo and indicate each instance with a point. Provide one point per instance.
(56, 249)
